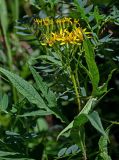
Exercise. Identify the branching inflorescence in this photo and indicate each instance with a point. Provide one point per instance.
(62, 31)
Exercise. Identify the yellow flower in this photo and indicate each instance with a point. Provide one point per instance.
(62, 36)
(47, 21)
(65, 37)
(38, 21)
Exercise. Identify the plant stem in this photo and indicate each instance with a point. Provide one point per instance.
(84, 151)
(82, 145)
(9, 54)
(76, 91)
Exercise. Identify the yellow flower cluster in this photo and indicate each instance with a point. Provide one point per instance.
(45, 21)
(62, 21)
(65, 37)
(59, 32)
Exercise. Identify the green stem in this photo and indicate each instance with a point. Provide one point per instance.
(83, 148)
(73, 75)
(9, 54)
(8, 50)
(76, 91)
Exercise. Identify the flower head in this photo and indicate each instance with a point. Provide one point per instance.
(61, 31)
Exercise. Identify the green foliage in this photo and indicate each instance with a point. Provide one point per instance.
(103, 147)
(4, 103)
(26, 89)
(68, 152)
(63, 88)
(93, 70)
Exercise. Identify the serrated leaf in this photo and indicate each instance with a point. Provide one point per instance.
(43, 87)
(103, 148)
(26, 89)
(51, 59)
(93, 69)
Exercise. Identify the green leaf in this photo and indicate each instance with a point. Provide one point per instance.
(89, 105)
(103, 148)
(43, 87)
(103, 88)
(77, 130)
(80, 119)
(67, 151)
(88, 9)
(36, 113)
(4, 153)
(92, 67)
(3, 15)
(48, 95)
(24, 34)
(96, 122)
(81, 9)
(65, 129)
(51, 59)
(42, 125)
(62, 152)
(84, 2)
(26, 89)
(4, 103)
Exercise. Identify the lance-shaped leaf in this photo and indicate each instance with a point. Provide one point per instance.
(96, 122)
(103, 147)
(43, 87)
(87, 108)
(92, 67)
(28, 91)
(25, 88)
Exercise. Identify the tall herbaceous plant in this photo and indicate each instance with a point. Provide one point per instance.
(67, 40)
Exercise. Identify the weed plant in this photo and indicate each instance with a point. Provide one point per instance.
(56, 80)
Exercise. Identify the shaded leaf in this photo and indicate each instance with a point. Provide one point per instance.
(4, 153)
(62, 152)
(88, 9)
(43, 87)
(96, 122)
(103, 148)
(80, 119)
(103, 88)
